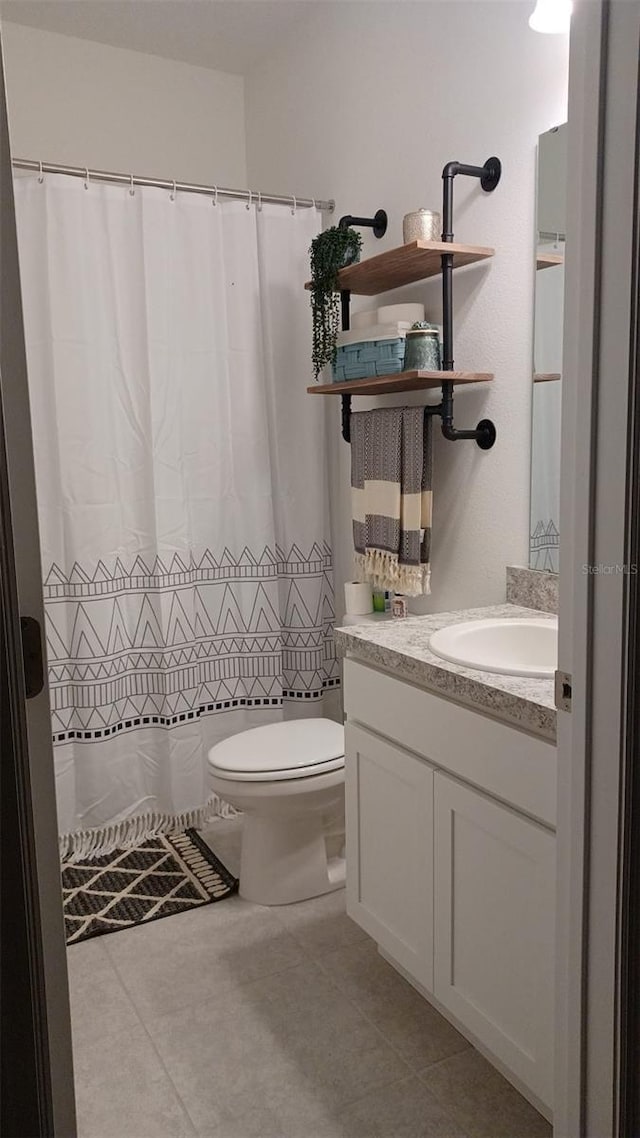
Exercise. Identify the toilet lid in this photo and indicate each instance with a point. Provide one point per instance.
(281, 750)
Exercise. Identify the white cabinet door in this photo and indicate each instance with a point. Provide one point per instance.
(389, 806)
(494, 928)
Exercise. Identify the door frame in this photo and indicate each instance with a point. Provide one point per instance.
(595, 582)
(37, 1053)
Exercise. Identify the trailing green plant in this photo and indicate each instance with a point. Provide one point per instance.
(330, 251)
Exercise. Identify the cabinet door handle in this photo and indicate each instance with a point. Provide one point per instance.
(32, 656)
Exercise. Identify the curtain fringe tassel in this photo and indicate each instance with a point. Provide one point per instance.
(82, 844)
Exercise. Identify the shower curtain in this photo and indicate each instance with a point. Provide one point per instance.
(181, 483)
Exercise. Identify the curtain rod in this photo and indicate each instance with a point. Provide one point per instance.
(184, 187)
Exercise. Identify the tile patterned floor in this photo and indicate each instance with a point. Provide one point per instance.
(236, 1021)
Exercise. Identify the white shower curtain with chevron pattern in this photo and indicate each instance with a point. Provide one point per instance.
(182, 490)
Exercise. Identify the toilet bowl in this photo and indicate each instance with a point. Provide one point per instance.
(288, 781)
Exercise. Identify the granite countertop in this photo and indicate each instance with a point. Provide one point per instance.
(402, 646)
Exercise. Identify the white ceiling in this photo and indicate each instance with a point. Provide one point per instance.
(229, 35)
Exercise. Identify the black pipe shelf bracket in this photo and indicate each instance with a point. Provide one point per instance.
(489, 174)
(484, 434)
(378, 223)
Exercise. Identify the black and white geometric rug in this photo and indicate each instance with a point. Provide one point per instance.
(160, 876)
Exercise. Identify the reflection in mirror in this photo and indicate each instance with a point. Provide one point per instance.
(544, 542)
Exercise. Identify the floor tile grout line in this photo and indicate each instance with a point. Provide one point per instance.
(119, 979)
(305, 947)
(156, 1052)
(406, 1073)
(315, 960)
(213, 996)
(422, 1070)
(349, 1102)
(240, 984)
(170, 1011)
(438, 1062)
(318, 958)
(442, 1103)
(318, 962)
(445, 1109)
(124, 986)
(388, 1041)
(313, 954)
(410, 1076)
(187, 1112)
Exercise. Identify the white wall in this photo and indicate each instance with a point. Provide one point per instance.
(81, 103)
(367, 107)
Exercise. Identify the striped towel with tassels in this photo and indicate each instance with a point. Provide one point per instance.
(391, 462)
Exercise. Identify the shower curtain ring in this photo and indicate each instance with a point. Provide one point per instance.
(131, 189)
(214, 200)
(248, 205)
(259, 202)
(86, 179)
(172, 195)
(295, 206)
(40, 173)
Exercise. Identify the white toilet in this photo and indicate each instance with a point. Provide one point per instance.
(288, 781)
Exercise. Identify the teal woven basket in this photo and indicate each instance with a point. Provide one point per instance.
(368, 359)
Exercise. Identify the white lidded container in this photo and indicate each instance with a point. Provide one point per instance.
(393, 313)
(372, 333)
(364, 319)
(388, 314)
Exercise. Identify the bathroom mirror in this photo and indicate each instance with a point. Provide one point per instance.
(544, 535)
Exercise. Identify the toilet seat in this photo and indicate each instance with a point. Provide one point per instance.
(295, 749)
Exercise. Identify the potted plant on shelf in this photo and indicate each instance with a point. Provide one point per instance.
(330, 251)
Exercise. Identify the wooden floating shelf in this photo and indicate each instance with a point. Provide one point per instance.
(405, 265)
(399, 381)
(545, 376)
(547, 260)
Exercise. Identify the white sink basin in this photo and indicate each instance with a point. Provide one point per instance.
(516, 646)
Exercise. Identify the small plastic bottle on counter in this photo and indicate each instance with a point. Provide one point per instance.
(399, 607)
(382, 600)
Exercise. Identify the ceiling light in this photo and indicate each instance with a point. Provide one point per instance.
(551, 16)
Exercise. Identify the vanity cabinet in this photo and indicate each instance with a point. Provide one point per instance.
(451, 863)
(390, 865)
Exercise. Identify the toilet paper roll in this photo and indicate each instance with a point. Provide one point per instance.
(358, 598)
